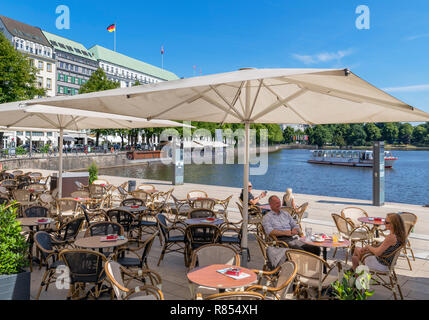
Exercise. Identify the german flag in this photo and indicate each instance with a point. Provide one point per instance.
(111, 28)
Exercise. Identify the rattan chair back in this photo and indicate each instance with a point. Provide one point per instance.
(214, 254)
(353, 213)
(36, 211)
(196, 194)
(145, 187)
(410, 220)
(236, 295)
(140, 194)
(124, 218)
(204, 203)
(104, 228)
(201, 213)
(132, 202)
(80, 194)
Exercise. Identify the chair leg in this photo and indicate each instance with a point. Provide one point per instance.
(161, 257)
(45, 275)
(335, 252)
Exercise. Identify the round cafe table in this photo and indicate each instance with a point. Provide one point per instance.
(95, 242)
(376, 222)
(328, 243)
(209, 277)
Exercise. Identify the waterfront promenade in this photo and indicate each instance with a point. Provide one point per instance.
(415, 283)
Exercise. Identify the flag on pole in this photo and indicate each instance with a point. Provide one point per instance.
(111, 28)
(162, 50)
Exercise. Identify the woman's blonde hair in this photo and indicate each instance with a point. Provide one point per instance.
(398, 227)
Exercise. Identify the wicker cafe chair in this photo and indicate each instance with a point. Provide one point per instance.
(180, 209)
(36, 211)
(196, 194)
(80, 186)
(353, 213)
(67, 209)
(387, 279)
(126, 219)
(115, 273)
(17, 172)
(46, 200)
(282, 277)
(9, 184)
(49, 258)
(311, 281)
(85, 267)
(201, 213)
(162, 203)
(4, 191)
(410, 220)
(264, 245)
(207, 255)
(36, 187)
(298, 214)
(104, 228)
(67, 232)
(35, 176)
(203, 204)
(351, 232)
(235, 295)
(142, 195)
(93, 216)
(172, 241)
(139, 251)
(23, 197)
(145, 187)
(132, 202)
(224, 205)
(101, 182)
(80, 194)
(254, 217)
(198, 235)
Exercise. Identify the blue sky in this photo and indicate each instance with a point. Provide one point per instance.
(220, 36)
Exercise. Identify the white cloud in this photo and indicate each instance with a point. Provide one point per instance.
(323, 56)
(415, 88)
(419, 36)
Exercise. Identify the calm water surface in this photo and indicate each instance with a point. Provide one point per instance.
(407, 182)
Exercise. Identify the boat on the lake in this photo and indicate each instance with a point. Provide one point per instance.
(351, 158)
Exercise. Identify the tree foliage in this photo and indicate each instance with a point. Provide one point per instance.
(17, 76)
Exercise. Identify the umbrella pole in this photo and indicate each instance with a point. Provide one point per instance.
(60, 165)
(244, 245)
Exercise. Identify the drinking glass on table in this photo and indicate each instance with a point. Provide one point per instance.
(335, 237)
(308, 233)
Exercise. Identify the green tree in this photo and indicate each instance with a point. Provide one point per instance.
(419, 134)
(405, 133)
(356, 135)
(288, 132)
(320, 135)
(390, 132)
(17, 76)
(373, 133)
(339, 134)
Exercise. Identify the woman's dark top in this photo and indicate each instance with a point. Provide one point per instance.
(387, 261)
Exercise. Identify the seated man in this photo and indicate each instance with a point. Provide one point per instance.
(280, 224)
(252, 200)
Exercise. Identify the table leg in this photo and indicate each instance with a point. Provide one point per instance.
(325, 257)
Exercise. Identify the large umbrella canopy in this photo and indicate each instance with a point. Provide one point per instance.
(300, 96)
(17, 114)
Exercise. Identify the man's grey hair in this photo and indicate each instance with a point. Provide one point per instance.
(272, 197)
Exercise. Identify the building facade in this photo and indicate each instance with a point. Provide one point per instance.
(31, 41)
(126, 70)
(74, 64)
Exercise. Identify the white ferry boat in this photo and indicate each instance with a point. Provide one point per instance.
(351, 158)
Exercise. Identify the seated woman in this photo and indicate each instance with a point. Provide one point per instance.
(289, 199)
(252, 200)
(393, 241)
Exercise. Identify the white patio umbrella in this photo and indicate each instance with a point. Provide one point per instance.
(17, 114)
(296, 96)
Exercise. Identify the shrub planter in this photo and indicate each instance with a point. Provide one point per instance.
(15, 286)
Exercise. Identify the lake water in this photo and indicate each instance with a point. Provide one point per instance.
(406, 182)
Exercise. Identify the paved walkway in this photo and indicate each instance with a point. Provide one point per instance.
(415, 283)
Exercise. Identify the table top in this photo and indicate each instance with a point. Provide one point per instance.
(327, 243)
(209, 277)
(96, 243)
(372, 220)
(200, 198)
(204, 220)
(32, 222)
(150, 190)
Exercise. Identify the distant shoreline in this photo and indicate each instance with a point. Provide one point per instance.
(388, 147)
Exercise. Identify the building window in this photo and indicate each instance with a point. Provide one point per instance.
(49, 134)
(49, 67)
(40, 82)
(48, 83)
(61, 89)
(40, 65)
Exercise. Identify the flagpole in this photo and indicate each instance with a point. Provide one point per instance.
(115, 38)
